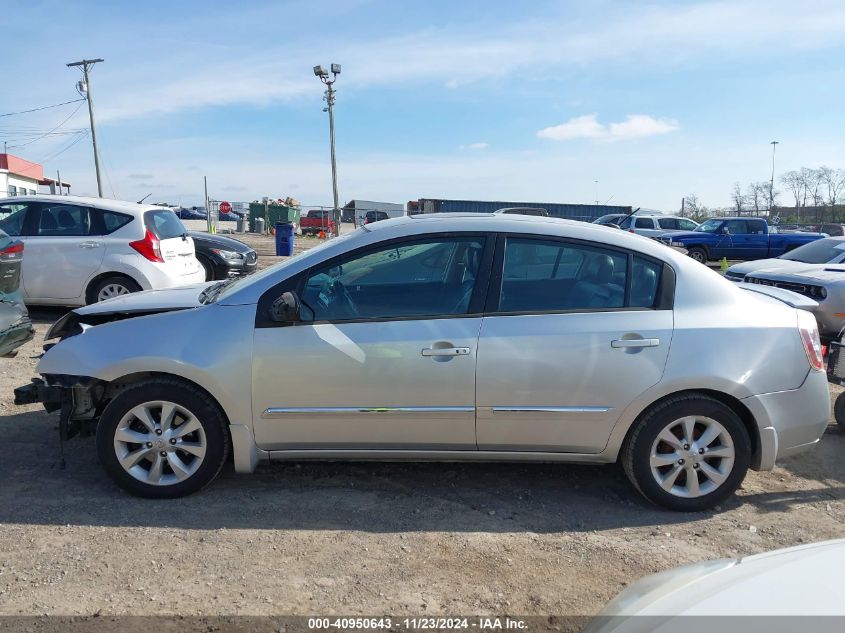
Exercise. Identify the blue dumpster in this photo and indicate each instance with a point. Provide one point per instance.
(284, 239)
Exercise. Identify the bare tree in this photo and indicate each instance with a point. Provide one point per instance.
(691, 205)
(814, 181)
(738, 198)
(833, 181)
(808, 176)
(757, 195)
(795, 183)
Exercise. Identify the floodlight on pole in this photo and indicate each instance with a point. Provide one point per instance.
(774, 145)
(329, 98)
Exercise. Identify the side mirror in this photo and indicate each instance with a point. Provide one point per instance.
(285, 309)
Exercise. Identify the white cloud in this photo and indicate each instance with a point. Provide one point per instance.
(588, 126)
(202, 74)
(474, 146)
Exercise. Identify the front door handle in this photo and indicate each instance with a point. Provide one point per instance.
(445, 351)
(635, 342)
(89, 245)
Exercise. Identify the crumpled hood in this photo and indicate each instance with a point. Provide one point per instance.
(150, 300)
(128, 306)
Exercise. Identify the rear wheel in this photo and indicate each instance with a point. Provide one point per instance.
(688, 453)
(698, 254)
(112, 287)
(162, 438)
(839, 410)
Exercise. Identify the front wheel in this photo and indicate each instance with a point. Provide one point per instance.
(688, 453)
(162, 438)
(698, 254)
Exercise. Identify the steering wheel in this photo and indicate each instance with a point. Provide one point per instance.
(337, 302)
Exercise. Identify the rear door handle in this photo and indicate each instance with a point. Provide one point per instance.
(89, 245)
(635, 342)
(445, 351)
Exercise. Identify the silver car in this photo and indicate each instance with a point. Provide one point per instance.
(468, 337)
(815, 270)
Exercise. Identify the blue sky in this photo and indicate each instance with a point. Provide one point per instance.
(525, 101)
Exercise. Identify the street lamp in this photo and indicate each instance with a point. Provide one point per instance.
(329, 97)
(774, 145)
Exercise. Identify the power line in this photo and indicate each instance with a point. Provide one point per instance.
(38, 138)
(42, 108)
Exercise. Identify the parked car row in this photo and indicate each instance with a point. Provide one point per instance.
(523, 338)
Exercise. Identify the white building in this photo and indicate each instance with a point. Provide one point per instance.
(19, 177)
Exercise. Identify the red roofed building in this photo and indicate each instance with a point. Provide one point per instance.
(20, 177)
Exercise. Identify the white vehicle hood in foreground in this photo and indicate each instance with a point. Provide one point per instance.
(789, 582)
(776, 265)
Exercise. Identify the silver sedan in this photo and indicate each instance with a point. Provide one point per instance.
(481, 337)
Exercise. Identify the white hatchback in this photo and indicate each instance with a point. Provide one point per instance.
(85, 250)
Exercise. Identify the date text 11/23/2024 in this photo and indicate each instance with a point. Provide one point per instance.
(418, 624)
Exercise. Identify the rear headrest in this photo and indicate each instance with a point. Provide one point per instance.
(601, 270)
(48, 221)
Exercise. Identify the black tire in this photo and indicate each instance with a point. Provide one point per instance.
(839, 410)
(698, 254)
(206, 412)
(636, 451)
(207, 267)
(115, 280)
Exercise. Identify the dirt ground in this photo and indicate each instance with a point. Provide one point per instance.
(339, 538)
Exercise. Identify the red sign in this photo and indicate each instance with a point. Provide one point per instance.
(225, 207)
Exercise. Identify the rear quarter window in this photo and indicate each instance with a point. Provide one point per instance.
(164, 224)
(113, 220)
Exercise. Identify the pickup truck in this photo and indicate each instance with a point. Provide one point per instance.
(737, 238)
(316, 221)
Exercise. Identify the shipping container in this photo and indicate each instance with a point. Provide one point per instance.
(584, 212)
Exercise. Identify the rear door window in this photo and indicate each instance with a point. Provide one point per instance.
(668, 224)
(164, 224)
(644, 223)
(555, 276)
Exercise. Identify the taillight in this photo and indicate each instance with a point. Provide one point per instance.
(12, 252)
(148, 247)
(809, 331)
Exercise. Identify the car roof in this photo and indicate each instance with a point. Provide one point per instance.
(100, 203)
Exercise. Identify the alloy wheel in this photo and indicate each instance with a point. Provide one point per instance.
(112, 290)
(160, 443)
(692, 456)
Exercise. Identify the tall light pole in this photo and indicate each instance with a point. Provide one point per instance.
(774, 145)
(328, 97)
(85, 87)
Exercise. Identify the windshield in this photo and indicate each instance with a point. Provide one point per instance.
(226, 288)
(824, 251)
(710, 226)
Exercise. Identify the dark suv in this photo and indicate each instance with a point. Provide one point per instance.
(374, 216)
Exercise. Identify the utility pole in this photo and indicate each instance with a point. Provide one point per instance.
(86, 65)
(774, 145)
(597, 192)
(329, 98)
